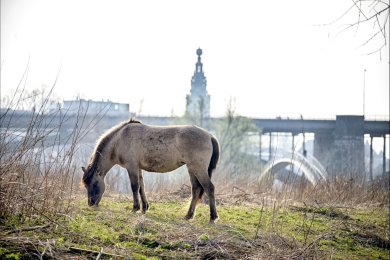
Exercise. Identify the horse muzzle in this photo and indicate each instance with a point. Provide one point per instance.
(93, 202)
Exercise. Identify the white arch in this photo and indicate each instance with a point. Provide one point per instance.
(312, 168)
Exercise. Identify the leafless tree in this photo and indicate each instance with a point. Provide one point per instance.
(371, 13)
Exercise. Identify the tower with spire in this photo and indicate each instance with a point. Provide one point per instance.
(198, 101)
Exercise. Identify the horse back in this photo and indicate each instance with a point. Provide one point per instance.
(165, 148)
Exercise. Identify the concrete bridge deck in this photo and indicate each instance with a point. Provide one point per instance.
(296, 126)
(375, 128)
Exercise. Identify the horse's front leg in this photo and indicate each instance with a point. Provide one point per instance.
(144, 200)
(135, 187)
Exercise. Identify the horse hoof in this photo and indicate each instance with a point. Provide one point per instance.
(189, 217)
(94, 208)
(145, 208)
(134, 210)
(212, 221)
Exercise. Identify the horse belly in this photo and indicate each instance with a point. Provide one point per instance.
(157, 165)
(160, 162)
(160, 150)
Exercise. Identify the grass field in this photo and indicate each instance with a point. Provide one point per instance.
(250, 227)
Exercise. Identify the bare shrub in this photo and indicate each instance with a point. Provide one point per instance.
(37, 165)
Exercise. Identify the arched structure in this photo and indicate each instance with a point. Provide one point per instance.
(310, 166)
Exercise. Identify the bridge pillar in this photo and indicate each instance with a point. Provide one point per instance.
(260, 146)
(349, 147)
(371, 158)
(270, 147)
(292, 143)
(341, 151)
(292, 150)
(323, 149)
(384, 155)
(304, 152)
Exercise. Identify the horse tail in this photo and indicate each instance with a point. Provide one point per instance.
(213, 163)
(214, 157)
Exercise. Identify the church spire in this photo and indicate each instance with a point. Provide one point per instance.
(199, 65)
(198, 101)
(198, 82)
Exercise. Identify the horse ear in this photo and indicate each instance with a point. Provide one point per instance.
(84, 170)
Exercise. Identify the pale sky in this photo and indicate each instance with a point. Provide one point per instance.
(270, 56)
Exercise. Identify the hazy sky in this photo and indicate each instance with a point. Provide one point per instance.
(271, 56)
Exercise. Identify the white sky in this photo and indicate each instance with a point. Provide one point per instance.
(268, 55)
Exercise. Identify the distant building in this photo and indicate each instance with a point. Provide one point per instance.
(198, 101)
(94, 107)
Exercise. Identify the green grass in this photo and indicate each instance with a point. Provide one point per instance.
(284, 231)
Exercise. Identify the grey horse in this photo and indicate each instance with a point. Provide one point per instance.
(136, 147)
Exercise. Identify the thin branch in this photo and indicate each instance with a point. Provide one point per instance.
(81, 250)
(372, 37)
(357, 27)
(28, 229)
(376, 15)
(377, 50)
(380, 27)
(339, 18)
(359, 8)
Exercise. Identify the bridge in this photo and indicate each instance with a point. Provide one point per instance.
(338, 144)
(297, 126)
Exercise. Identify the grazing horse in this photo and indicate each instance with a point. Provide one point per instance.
(136, 147)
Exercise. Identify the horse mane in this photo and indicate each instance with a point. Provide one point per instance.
(101, 144)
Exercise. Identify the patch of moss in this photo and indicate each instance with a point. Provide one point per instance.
(204, 238)
(329, 212)
(9, 254)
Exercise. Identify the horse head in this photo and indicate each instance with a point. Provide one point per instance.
(94, 183)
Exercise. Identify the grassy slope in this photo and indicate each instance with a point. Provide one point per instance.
(284, 232)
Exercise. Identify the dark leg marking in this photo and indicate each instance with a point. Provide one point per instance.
(144, 200)
(135, 187)
(197, 192)
(208, 186)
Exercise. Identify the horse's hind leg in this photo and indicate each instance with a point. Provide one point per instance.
(145, 203)
(197, 192)
(135, 187)
(208, 187)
